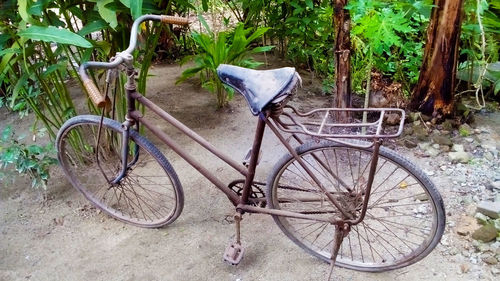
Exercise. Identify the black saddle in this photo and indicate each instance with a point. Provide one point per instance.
(259, 87)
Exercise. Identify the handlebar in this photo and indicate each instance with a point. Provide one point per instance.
(97, 98)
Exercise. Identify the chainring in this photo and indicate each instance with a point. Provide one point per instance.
(256, 195)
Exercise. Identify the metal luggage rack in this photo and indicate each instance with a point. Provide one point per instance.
(318, 123)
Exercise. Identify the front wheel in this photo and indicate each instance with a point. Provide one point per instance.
(150, 195)
(405, 217)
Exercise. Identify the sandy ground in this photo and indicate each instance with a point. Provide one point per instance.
(57, 235)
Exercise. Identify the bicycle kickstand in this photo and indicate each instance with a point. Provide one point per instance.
(341, 231)
(234, 252)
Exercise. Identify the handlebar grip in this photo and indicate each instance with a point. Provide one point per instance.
(175, 20)
(94, 94)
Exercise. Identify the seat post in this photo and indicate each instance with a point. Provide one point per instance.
(259, 133)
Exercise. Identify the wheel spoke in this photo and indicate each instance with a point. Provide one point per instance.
(141, 197)
(397, 229)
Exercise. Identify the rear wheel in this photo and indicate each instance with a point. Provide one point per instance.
(405, 217)
(150, 195)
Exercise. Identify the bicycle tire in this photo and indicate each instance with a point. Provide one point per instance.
(381, 235)
(150, 195)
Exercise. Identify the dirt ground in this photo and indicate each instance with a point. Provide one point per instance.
(57, 235)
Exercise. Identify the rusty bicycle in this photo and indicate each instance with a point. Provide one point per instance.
(339, 194)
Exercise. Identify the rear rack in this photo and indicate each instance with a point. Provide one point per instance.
(318, 123)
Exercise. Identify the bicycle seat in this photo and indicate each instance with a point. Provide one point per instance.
(259, 87)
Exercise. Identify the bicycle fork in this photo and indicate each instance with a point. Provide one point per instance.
(130, 87)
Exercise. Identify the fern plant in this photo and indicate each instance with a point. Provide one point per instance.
(226, 47)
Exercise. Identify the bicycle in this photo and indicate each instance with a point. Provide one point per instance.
(340, 195)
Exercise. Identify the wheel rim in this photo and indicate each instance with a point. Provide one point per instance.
(400, 223)
(145, 196)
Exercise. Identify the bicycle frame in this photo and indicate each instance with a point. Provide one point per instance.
(135, 117)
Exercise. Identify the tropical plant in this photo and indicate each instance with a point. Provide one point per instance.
(225, 47)
(388, 37)
(480, 66)
(42, 42)
(32, 160)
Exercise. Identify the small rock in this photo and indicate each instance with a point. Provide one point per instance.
(465, 130)
(444, 148)
(489, 156)
(464, 267)
(443, 140)
(447, 125)
(436, 146)
(459, 156)
(410, 144)
(495, 271)
(482, 219)
(469, 140)
(420, 132)
(482, 247)
(457, 148)
(493, 185)
(408, 131)
(393, 119)
(432, 152)
(490, 209)
(485, 233)
(464, 231)
(495, 248)
(445, 132)
(424, 145)
(466, 225)
(414, 116)
(489, 259)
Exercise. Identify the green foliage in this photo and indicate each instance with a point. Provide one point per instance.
(472, 58)
(310, 35)
(389, 36)
(226, 47)
(42, 42)
(54, 34)
(32, 160)
(463, 132)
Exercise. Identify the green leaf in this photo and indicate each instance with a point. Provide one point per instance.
(61, 66)
(126, 3)
(107, 14)
(24, 12)
(6, 133)
(93, 26)
(54, 34)
(497, 87)
(35, 149)
(204, 23)
(310, 4)
(38, 7)
(262, 49)
(19, 87)
(10, 51)
(189, 73)
(136, 8)
(204, 4)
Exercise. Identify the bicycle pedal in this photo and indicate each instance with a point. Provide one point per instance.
(234, 253)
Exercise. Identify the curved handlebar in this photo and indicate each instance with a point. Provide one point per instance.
(89, 85)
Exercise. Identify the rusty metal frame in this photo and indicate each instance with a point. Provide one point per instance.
(276, 125)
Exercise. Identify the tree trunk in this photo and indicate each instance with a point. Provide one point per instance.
(434, 91)
(342, 25)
